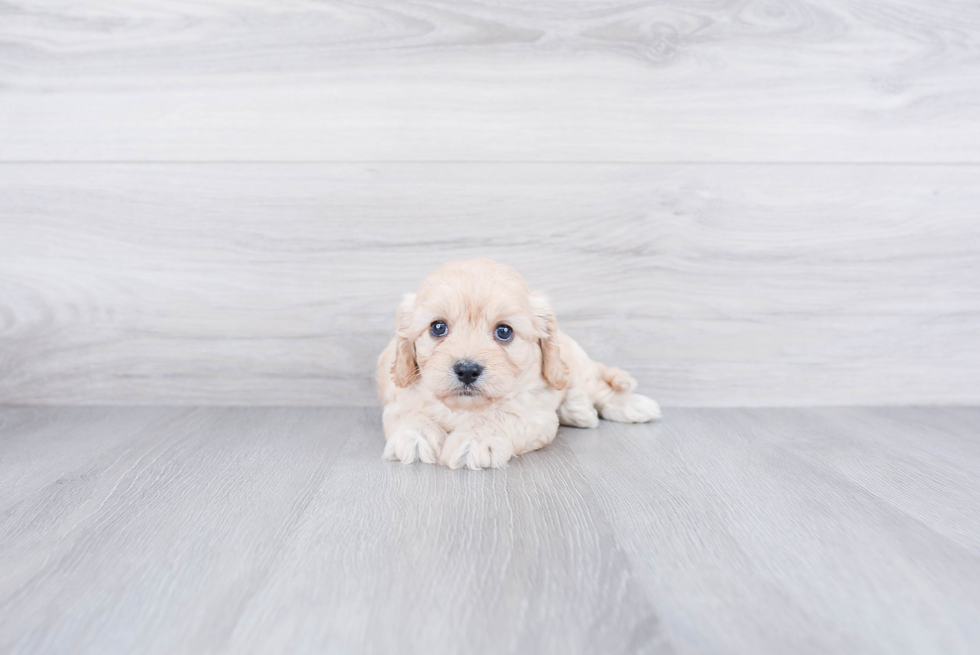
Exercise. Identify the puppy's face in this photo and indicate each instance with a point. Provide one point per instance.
(473, 334)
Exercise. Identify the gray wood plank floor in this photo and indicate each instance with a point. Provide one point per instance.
(160, 529)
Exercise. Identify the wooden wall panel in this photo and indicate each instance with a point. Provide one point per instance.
(277, 283)
(501, 80)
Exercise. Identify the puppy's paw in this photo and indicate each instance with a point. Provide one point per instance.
(476, 453)
(630, 408)
(410, 445)
(577, 410)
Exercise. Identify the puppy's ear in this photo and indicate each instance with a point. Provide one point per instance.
(554, 370)
(405, 369)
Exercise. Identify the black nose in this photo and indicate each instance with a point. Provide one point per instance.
(467, 371)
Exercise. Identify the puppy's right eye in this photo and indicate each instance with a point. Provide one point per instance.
(438, 328)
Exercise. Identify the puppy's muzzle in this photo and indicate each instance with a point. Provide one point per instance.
(467, 371)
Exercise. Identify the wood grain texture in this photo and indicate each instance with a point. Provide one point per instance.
(277, 284)
(503, 80)
(280, 530)
(260, 530)
(804, 531)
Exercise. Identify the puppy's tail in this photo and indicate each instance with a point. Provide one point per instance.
(620, 404)
(616, 378)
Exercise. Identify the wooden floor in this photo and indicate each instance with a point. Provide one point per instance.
(138, 530)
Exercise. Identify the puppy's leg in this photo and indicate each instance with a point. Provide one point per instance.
(412, 437)
(627, 407)
(490, 439)
(617, 403)
(577, 410)
(609, 390)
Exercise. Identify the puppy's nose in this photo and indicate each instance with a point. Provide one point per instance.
(467, 371)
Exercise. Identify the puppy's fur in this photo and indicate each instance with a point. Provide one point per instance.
(527, 386)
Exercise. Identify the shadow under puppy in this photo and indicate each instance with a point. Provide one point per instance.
(478, 372)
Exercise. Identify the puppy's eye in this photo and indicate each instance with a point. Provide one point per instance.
(504, 333)
(438, 328)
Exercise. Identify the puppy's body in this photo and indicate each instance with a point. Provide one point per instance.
(472, 397)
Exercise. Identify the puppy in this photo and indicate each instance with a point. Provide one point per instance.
(478, 372)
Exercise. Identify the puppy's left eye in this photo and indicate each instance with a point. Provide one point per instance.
(504, 333)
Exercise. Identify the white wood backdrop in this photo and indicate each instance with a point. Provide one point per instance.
(499, 80)
(745, 203)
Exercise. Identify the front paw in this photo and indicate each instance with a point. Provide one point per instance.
(410, 445)
(475, 452)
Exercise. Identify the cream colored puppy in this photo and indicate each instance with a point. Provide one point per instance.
(478, 372)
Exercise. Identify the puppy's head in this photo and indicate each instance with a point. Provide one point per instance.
(474, 333)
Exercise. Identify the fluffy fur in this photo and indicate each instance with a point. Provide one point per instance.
(528, 385)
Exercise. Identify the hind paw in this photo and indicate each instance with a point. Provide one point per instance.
(630, 408)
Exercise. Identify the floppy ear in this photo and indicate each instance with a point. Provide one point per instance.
(553, 368)
(405, 369)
